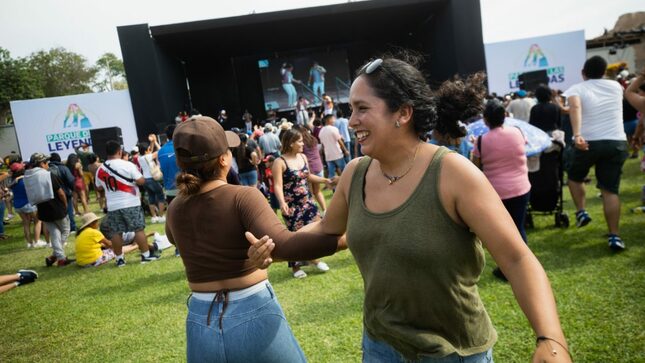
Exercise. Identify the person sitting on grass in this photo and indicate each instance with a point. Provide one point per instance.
(92, 248)
(23, 277)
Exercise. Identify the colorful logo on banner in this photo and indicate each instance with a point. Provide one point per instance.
(77, 125)
(73, 116)
(535, 60)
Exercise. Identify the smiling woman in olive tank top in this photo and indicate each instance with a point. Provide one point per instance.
(417, 218)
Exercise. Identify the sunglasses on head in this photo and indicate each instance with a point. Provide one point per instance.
(375, 65)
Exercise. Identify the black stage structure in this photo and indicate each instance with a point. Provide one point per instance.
(213, 64)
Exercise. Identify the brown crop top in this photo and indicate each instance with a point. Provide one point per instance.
(209, 231)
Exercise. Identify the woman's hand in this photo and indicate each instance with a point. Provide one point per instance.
(260, 251)
(285, 209)
(548, 351)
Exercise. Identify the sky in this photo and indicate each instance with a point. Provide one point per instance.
(88, 27)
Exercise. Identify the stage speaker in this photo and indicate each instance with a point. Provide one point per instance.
(529, 81)
(101, 136)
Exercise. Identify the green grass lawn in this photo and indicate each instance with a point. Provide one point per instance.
(136, 314)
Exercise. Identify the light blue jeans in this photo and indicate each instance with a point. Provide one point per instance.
(335, 164)
(319, 88)
(292, 94)
(249, 178)
(375, 351)
(251, 329)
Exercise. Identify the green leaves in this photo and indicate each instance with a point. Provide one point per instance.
(56, 72)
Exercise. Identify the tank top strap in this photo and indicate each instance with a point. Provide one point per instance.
(358, 181)
(434, 169)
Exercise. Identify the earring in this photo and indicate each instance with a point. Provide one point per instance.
(397, 124)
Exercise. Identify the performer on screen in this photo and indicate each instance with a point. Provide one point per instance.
(317, 75)
(287, 83)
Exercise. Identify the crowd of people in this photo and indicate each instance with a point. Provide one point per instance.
(417, 237)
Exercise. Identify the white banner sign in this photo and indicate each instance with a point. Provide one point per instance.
(561, 55)
(60, 124)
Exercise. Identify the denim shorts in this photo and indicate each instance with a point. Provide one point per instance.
(123, 220)
(375, 351)
(27, 209)
(249, 328)
(154, 190)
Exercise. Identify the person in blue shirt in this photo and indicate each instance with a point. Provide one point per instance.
(168, 166)
(317, 79)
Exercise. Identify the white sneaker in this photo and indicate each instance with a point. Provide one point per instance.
(300, 274)
(154, 220)
(9, 217)
(49, 245)
(161, 219)
(40, 244)
(30, 245)
(322, 266)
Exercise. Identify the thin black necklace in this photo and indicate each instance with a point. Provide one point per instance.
(395, 178)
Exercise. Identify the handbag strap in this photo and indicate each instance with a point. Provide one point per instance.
(117, 173)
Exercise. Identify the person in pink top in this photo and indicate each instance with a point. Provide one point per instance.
(502, 156)
(333, 146)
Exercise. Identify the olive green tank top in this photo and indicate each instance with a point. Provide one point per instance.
(420, 270)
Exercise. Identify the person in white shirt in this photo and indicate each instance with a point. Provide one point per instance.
(596, 113)
(333, 146)
(520, 108)
(156, 198)
(121, 180)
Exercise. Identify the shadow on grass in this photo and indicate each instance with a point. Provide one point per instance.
(134, 284)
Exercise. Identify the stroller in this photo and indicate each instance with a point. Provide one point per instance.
(546, 187)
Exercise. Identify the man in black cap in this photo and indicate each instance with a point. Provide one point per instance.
(40, 184)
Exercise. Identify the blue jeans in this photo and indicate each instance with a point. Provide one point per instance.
(155, 191)
(349, 157)
(70, 214)
(253, 329)
(292, 94)
(335, 164)
(375, 351)
(319, 88)
(249, 178)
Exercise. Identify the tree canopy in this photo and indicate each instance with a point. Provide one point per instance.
(56, 72)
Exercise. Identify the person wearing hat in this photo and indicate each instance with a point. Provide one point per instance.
(269, 142)
(520, 107)
(231, 299)
(45, 190)
(92, 248)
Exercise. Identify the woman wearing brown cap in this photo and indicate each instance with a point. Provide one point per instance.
(233, 313)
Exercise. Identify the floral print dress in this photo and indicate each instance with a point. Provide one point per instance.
(296, 195)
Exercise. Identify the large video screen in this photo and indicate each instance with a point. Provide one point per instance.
(306, 74)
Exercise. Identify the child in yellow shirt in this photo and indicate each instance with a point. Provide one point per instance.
(92, 248)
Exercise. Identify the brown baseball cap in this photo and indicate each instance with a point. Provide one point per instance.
(201, 138)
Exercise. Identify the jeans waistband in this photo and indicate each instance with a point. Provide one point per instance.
(232, 295)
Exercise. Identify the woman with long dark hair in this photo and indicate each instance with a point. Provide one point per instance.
(312, 152)
(247, 160)
(291, 178)
(74, 165)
